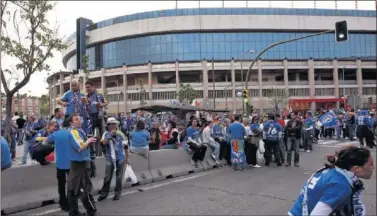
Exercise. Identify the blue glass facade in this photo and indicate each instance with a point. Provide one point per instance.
(225, 46)
(233, 11)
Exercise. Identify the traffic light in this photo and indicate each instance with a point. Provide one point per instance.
(341, 31)
(245, 95)
(370, 100)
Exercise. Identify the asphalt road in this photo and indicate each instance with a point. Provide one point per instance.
(257, 191)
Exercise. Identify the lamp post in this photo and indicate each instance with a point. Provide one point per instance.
(239, 94)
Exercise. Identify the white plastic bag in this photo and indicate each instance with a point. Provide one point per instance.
(129, 175)
(261, 147)
(260, 157)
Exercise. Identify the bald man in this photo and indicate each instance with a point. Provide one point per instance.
(72, 100)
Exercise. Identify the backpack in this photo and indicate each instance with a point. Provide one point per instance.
(182, 136)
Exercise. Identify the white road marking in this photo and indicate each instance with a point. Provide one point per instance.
(142, 188)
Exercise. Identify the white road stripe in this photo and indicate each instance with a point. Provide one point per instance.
(142, 188)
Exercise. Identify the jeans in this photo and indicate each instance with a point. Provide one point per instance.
(216, 149)
(308, 140)
(282, 150)
(144, 151)
(338, 131)
(170, 146)
(293, 145)
(352, 130)
(26, 151)
(61, 175)
(120, 166)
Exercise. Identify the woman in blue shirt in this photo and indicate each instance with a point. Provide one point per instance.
(140, 140)
(335, 189)
(194, 143)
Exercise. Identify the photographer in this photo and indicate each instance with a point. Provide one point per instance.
(116, 158)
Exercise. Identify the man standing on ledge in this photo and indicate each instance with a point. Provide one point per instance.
(79, 183)
(72, 100)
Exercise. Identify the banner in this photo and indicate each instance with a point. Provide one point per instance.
(328, 119)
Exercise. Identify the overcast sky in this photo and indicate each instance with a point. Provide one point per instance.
(66, 13)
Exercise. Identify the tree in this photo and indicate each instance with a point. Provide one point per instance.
(31, 44)
(44, 105)
(186, 94)
(278, 97)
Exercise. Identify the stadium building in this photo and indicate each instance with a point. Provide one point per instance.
(147, 56)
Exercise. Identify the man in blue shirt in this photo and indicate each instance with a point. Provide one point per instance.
(237, 135)
(79, 183)
(362, 130)
(6, 161)
(72, 100)
(95, 104)
(58, 117)
(272, 131)
(30, 129)
(308, 131)
(61, 139)
(114, 142)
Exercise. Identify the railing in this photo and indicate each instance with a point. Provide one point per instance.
(366, 82)
(273, 83)
(348, 82)
(324, 82)
(301, 82)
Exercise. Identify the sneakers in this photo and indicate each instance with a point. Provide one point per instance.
(116, 197)
(296, 165)
(308, 151)
(256, 166)
(213, 156)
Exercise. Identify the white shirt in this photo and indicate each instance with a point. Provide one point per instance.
(206, 136)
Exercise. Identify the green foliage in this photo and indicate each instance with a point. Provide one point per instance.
(186, 94)
(31, 44)
(85, 62)
(44, 105)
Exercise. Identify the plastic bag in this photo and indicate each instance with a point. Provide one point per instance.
(261, 147)
(129, 175)
(51, 157)
(260, 157)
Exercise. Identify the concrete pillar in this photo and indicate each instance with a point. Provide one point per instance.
(260, 84)
(177, 80)
(150, 81)
(311, 82)
(125, 87)
(205, 79)
(54, 92)
(103, 80)
(335, 75)
(82, 87)
(359, 77)
(70, 80)
(61, 78)
(52, 99)
(233, 77)
(286, 84)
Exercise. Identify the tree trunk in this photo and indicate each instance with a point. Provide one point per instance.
(8, 118)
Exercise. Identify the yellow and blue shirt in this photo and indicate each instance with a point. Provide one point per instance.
(77, 140)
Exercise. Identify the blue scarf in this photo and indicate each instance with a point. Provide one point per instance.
(358, 205)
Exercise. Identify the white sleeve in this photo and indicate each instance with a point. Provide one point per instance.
(321, 209)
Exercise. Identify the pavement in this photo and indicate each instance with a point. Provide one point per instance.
(256, 191)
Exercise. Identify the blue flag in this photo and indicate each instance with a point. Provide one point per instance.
(328, 119)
